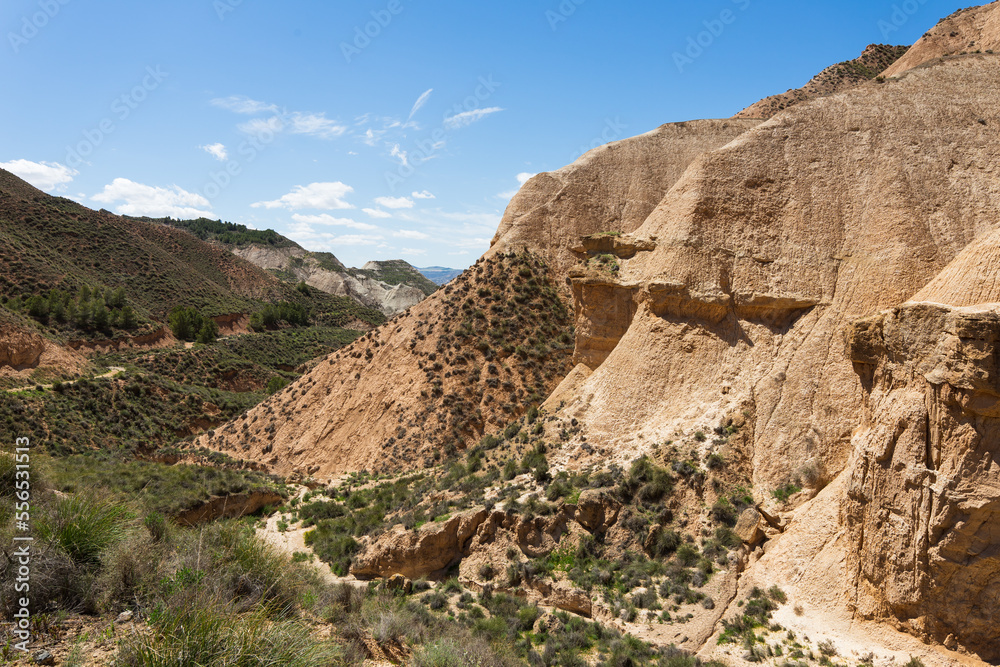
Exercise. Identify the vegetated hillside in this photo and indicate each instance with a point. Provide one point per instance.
(874, 60)
(440, 275)
(474, 356)
(50, 242)
(971, 30)
(53, 243)
(228, 233)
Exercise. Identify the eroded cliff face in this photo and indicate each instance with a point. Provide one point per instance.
(22, 352)
(768, 249)
(923, 495)
(610, 189)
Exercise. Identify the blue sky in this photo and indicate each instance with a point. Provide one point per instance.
(389, 128)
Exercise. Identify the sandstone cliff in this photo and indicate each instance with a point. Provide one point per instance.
(610, 189)
(767, 249)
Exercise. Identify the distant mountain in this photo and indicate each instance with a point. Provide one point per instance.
(439, 274)
(399, 272)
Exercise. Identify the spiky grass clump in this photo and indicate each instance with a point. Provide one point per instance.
(204, 636)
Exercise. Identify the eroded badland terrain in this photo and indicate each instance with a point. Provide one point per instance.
(723, 393)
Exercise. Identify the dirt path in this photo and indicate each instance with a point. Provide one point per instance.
(114, 371)
(292, 540)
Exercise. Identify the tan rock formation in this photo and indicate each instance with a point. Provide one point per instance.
(417, 553)
(926, 473)
(610, 189)
(228, 507)
(22, 352)
(768, 248)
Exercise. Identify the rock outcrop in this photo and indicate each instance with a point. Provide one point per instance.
(23, 351)
(926, 473)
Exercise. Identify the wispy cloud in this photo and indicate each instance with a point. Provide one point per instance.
(421, 101)
(411, 234)
(146, 200)
(218, 151)
(43, 175)
(279, 120)
(243, 104)
(399, 154)
(467, 118)
(423, 195)
(326, 219)
(394, 202)
(318, 196)
(377, 213)
(315, 125)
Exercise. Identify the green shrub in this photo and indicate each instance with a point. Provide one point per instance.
(83, 526)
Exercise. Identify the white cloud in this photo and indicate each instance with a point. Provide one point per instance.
(259, 127)
(410, 234)
(421, 101)
(43, 175)
(326, 219)
(394, 202)
(467, 118)
(218, 151)
(155, 202)
(243, 104)
(377, 213)
(423, 195)
(400, 154)
(354, 239)
(320, 196)
(315, 125)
